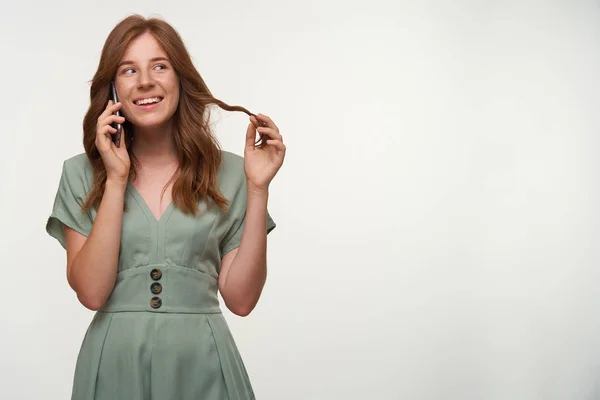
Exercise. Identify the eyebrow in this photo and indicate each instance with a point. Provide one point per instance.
(151, 60)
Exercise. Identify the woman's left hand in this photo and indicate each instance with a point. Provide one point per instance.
(262, 163)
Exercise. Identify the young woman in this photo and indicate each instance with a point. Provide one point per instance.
(154, 227)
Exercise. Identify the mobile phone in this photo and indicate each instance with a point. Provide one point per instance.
(116, 138)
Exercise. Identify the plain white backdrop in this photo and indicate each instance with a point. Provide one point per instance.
(438, 232)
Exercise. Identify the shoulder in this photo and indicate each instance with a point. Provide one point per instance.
(231, 170)
(78, 172)
(78, 162)
(231, 160)
(231, 176)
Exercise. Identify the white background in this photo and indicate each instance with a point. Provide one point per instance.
(437, 227)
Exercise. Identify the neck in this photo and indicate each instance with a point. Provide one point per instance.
(154, 147)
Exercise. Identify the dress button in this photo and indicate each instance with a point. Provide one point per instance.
(156, 288)
(156, 274)
(155, 302)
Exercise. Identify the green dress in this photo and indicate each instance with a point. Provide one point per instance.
(161, 334)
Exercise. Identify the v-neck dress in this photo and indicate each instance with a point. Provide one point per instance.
(161, 334)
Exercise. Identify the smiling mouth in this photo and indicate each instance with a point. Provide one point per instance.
(148, 101)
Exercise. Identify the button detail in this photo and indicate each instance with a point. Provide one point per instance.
(155, 302)
(156, 274)
(156, 288)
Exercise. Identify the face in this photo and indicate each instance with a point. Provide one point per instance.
(147, 84)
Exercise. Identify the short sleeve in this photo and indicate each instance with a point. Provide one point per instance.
(234, 221)
(67, 205)
(234, 238)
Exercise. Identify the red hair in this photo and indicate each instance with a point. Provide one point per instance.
(198, 150)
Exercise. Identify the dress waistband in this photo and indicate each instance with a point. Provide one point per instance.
(163, 288)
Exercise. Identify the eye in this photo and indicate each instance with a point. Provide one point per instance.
(160, 67)
(126, 70)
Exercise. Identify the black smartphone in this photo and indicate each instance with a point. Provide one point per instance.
(116, 138)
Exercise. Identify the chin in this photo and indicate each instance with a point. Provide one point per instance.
(151, 123)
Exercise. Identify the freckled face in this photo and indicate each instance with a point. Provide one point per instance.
(147, 84)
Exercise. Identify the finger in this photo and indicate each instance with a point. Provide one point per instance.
(107, 131)
(250, 137)
(115, 118)
(103, 138)
(110, 109)
(272, 133)
(277, 144)
(255, 121)
(267, 122)
(115, 107)
(110, 119)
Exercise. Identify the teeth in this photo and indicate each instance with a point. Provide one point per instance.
(148, 101)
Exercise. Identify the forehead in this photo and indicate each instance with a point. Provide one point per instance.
(142, 48)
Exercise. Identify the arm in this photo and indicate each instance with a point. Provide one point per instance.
(244, 269)
(92, 261)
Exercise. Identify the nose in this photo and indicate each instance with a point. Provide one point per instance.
(144, 80)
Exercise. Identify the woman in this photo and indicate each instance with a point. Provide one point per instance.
(154, 227)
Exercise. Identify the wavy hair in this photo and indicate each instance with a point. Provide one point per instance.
(198, 151)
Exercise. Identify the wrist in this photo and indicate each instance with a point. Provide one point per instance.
(256, 192)
(116, 184)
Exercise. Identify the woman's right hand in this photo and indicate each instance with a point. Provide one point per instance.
(116, 159)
